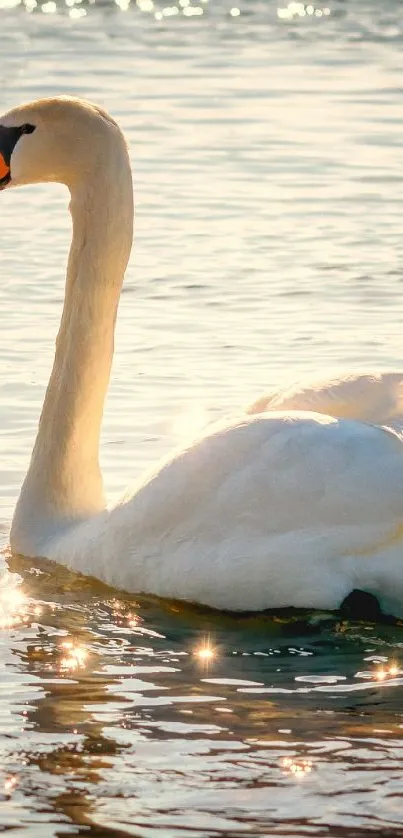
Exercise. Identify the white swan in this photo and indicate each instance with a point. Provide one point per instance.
(375, 397)
(274, 510)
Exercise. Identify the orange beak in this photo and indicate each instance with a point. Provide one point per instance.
(4, 169)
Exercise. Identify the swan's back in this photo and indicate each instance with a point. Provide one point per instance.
(376, 398)
(274, 510)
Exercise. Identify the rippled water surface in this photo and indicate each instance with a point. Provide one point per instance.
(266, 139)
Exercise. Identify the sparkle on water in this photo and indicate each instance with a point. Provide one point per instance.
(184, 7)
(74, 657)
(266, 141)
(206, 652)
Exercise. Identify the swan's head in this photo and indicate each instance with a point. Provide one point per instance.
(60, 140)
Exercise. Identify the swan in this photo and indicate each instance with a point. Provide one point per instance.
(370, 397)
(280, 508)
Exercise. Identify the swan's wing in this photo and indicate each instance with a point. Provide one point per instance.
(273, 511)
(374, 398)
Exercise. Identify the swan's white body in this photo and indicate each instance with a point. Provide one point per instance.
(296, 509)
(375, 398)
(273, 510)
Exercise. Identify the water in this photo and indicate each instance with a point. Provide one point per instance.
(267, 149)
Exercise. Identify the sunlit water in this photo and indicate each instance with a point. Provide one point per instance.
(266, 140)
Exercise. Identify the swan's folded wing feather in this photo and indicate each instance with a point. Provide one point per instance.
(376, 398)
(273, 511)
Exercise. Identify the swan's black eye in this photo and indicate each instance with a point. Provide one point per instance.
(27, 128)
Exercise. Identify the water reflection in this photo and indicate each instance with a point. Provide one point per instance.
(60, 751)
(136, 735)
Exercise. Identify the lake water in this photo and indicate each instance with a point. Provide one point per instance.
(267, 144)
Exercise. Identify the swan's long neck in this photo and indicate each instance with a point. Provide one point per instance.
(64, 483)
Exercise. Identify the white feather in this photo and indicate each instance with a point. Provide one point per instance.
(370, 397)
(272, 511)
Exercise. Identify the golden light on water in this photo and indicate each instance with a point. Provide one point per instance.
(10, 783)
(16, 609)
(381, 674)
(206, 652)
(390, 670)
(296, 767)
(125, 618)
(13, 608)
(295, 10)
(16, 599)
(75, 656)
(132, 620)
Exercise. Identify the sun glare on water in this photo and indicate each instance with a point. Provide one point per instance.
(14, 609)
(74, 656)
(10, 783)
(296, 768)
(384, 672)
(206, 653)
(17, 610)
